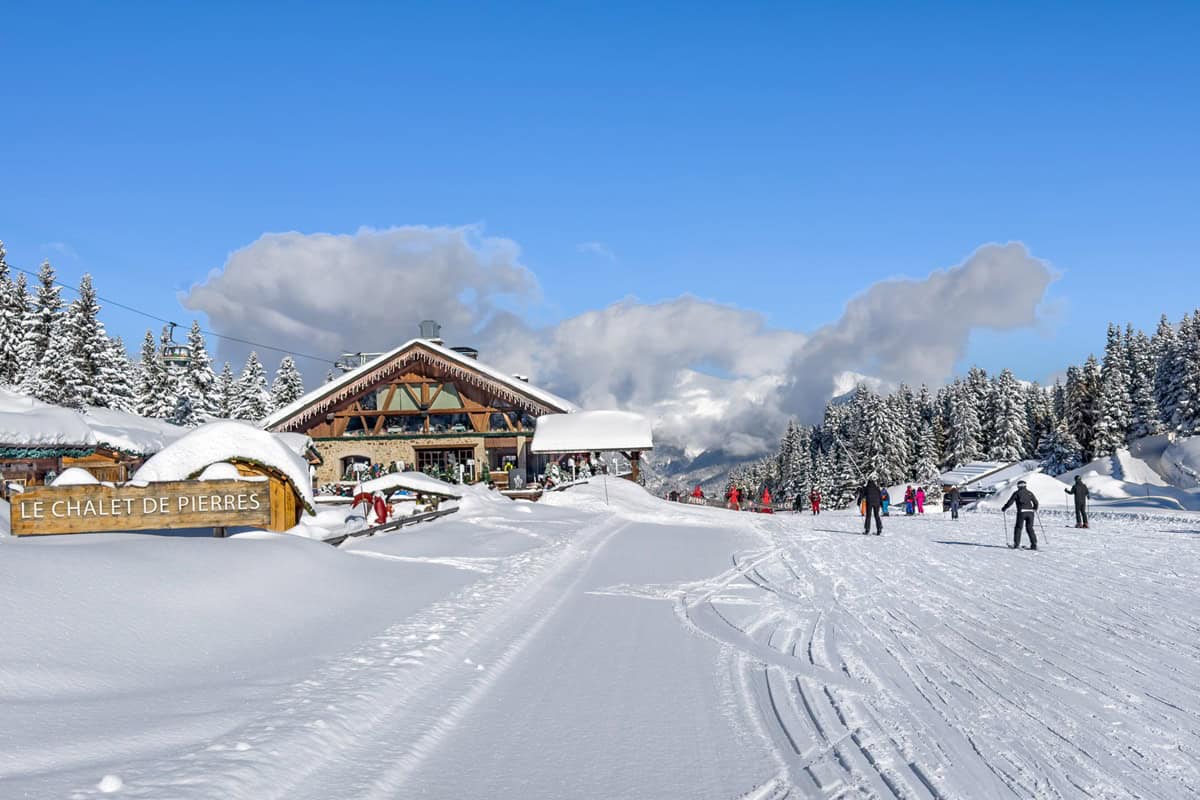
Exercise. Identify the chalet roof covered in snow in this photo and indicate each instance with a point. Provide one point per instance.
(590, 431)
(413, 482)
(462, 367)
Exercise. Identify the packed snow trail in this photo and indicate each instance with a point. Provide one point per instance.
(656, 650)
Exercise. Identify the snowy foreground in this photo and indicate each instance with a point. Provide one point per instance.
(571, 649)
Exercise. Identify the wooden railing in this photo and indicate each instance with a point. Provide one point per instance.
(391, 525)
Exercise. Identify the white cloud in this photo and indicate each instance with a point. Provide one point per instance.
(596, 249)
(326, 294)
(713, 376)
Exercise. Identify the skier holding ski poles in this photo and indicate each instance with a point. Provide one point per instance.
(1080, 490)
(872, 501)
(1027, 506)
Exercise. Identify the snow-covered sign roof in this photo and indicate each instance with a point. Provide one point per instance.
(223, 441)
(590, 431)
(457, 365)
(412, 481)
(984, 474)
(26, 422)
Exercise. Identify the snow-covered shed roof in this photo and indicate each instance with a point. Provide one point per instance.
(412, 481)
(590, 431)
(470, 370)
(984, 474)
(29, 423)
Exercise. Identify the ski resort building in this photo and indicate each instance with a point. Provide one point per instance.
(425, 407)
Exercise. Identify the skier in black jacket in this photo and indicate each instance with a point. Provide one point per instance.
(874, 499)
(1027, 506)
(954, 498)
(1080, 490)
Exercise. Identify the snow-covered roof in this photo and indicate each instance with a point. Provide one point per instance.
(222, 441)
(589, 431)
(413, 481)
(458, 365)
(984, 474)
(26, 422)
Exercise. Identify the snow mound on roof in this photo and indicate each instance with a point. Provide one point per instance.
(413, 481)
(1047, 489)
(4, 519)
(130, 432)
(32, 423)
(75, 476)
(221, 441)
(587, 431)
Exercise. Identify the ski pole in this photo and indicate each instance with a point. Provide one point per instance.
(1043, 527)
(1004, 522)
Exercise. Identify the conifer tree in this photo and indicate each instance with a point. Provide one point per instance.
(288, 386)
(118, 376)
(963, 432)
(89, 348)
(153, 396)
(926, 470)
(1115, 408)
(1165, 345)
(1083, 405)
(12, 317)
(226, 393)
(1010, 426)
(1058, 451)
(252, 399)
(1186, 414)
(199, 381)
(41, 324)
(1145, 418)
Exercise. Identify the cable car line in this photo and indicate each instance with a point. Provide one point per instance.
(165, 321)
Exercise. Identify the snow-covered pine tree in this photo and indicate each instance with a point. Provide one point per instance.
(1165, 345)
(1039, 414)
(184, 413)
(41, 322)
(980, 386)
(89, 345)
(963, 429)
(1145, 420)
(1116, 409)
(199, 380)
(226, 393)
(252, 399)
(901, 424)
(1010, 426)
(12, 318)
(288, 386)
(153, 395)
(874, 456)
(1083, 405)
(1058, 451)
(1187, 362)
(117, 375)
(926, 470)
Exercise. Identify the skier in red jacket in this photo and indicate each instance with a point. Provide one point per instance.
(766, 501)
(814, 497)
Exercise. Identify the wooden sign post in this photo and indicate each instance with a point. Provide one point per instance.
(95, 508)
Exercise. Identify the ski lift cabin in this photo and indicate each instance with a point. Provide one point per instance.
(175, 355)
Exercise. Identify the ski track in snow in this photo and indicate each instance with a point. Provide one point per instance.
(927, 663)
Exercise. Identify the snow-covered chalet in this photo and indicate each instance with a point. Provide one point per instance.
(426, 405)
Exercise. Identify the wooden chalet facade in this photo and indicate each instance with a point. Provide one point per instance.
(427, 406)
(34, 465)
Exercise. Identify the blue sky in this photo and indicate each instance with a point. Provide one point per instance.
(781, 158)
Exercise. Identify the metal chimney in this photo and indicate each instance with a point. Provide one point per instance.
(431, 330)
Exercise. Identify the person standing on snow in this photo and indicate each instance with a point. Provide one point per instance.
(920, 495)
(872, 500)
(1080, 490)
(766, 501)
(814, 497)
(909, 500)
(955, 499)
(798, 504)
(1027, 506)
(886, 500)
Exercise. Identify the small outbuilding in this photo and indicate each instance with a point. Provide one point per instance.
(584, 432)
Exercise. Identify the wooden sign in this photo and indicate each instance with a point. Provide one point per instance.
(96, 508)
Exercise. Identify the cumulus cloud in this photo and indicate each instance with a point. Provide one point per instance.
(712, 376)
(915, 331)
(326, 294)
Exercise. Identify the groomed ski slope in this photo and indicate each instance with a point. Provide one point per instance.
(660, 650)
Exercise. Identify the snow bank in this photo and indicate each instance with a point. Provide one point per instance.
(591, 431)
(1048, 490)
(221, 441)
(4, 519)
(414, 482)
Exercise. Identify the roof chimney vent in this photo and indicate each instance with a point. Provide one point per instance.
(431, 330)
